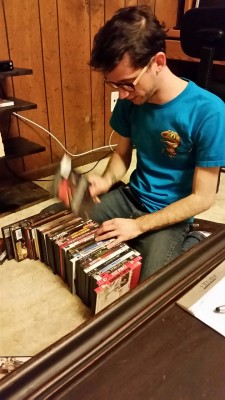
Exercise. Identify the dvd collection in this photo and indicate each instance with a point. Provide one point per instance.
(66, 243)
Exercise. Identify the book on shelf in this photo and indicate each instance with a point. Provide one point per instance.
(2, 149)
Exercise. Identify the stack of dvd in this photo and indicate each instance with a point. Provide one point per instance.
(102, 269)
(66, 243)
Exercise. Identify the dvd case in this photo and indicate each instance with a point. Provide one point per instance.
(116, 287)
(72, 188)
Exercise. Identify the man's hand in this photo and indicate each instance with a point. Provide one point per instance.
(97, 185)
(122, 229)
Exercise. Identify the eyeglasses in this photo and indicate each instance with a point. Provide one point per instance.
(130, 87)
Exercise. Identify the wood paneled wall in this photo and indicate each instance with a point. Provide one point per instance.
(54, 39)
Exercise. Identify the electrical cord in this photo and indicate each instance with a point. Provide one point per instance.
(100, 159)
(58, 141)
(82, 173)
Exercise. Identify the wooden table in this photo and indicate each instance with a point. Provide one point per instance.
(143, 346)
(173, 356)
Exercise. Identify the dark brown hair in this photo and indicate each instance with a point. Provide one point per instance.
(133, 30)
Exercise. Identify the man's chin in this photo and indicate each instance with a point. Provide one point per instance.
(137, 100)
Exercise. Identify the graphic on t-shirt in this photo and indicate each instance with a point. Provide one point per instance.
(172, 142)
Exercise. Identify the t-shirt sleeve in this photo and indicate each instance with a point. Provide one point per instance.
(121, 119)
(210, 135)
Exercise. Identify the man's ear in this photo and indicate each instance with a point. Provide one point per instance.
(160, 60)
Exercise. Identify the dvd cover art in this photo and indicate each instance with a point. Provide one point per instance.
(107, 294)
(19, 242)
(9, 364)
(3, 254)
(122, 281)
(72, 188)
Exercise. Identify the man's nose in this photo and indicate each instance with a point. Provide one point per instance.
(123, 94)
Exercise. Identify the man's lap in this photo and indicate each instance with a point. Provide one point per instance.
(157, 248)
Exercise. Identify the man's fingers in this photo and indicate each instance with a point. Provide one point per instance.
(114, 243)
(96, 199)
(104, 235)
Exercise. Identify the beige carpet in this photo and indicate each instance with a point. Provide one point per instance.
(36, 308)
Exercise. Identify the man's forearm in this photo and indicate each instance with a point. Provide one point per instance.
(175, 213)
(116, 169)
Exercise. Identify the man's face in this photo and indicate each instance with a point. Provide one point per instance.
(143, 79)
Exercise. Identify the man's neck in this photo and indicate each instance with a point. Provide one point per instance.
(170, 86)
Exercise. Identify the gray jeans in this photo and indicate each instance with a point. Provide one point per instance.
(157, 248)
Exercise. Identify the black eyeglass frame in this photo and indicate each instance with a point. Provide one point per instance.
(130, 87)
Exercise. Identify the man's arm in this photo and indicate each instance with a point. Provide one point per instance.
(116, 168)
(120, 161)
(202, 198)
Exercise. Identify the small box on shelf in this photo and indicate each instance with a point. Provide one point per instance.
(2, 149)
(6, 102)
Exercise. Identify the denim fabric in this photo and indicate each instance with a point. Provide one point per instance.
(193, 238)
(157, 248)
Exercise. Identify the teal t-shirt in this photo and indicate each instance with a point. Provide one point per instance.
(171, 140)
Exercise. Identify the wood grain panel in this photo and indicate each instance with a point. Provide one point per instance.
(74, 36)
(7, 124)
(52, 75)
(25, 49)
(150, 3)
(175, 52)
(97, 13)
(4, 48)
(110, 9)
(6, 84)
(166, 11)
(129, 3)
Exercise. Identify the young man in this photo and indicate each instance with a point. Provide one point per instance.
(178, 130)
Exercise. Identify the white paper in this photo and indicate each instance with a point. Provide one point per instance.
(204, 308)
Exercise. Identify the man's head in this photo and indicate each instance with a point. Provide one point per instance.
(133, 31)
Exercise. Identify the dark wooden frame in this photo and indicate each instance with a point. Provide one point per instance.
(62, 364)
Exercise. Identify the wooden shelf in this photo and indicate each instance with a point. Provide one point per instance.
(174, 52)
(19, 105)
(173, 34)
(16, 72)
(20, 147)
